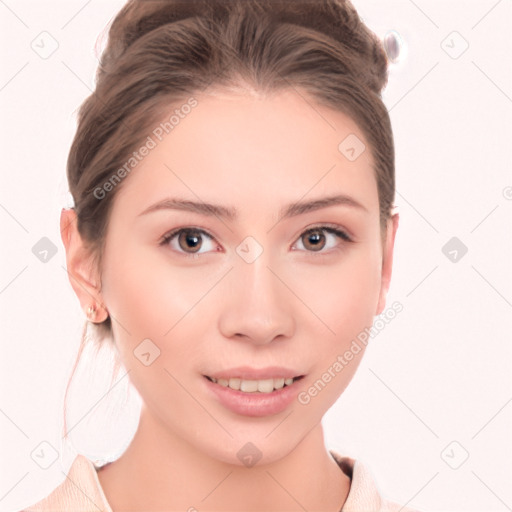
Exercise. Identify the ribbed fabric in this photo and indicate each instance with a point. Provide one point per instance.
(364, 496)
(81, 490)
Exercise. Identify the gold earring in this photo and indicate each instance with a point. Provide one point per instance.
(91, 311)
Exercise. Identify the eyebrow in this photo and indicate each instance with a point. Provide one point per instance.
(231, 213)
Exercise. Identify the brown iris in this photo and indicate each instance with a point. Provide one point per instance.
(313, 237)
(192, 237)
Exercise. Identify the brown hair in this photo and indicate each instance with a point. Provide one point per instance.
(161, 52)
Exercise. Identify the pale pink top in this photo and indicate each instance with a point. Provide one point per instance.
(81, 490)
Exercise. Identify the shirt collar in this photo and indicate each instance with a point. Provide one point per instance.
(363, 493)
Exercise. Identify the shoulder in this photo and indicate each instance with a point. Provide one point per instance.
(79, 491)
(364, 495)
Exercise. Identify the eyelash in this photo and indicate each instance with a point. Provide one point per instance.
(334, 230)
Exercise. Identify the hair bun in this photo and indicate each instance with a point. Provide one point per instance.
(336, 19)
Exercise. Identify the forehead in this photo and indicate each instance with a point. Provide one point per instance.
(242, 147)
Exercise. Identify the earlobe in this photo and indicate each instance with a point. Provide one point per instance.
(387, 261)
(81, 268)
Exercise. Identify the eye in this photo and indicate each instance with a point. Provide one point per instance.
(189, 241)
(314, 241)
(185, 239)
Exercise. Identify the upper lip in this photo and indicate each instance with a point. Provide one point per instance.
(248, 373)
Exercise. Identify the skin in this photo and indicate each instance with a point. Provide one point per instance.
(297, 308)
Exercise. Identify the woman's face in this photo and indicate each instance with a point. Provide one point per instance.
(250, 295)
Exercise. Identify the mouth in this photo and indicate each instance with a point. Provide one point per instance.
(248, 391)
(260, 386)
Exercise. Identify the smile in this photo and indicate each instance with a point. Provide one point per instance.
(255, 386)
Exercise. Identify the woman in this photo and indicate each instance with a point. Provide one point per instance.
(232, 235)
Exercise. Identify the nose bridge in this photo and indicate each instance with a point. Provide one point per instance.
(258, 306)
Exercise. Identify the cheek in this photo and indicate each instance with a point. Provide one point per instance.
(147, 294)
(344, 298)
(152, 298)
(343, 295)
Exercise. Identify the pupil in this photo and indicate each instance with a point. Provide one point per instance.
(314, 237)
(192, 239)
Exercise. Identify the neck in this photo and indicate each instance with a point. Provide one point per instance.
(159, 471)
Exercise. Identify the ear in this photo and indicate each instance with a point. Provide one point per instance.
(81, 267)
(387, 261)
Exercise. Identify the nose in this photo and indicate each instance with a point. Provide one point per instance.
(257, 305)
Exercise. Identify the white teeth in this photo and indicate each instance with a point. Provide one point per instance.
(266, 386)
(252, 386)
(279, 383)
(249, 386)
(234, 383)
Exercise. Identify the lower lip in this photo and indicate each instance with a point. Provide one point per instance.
(254, 404)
